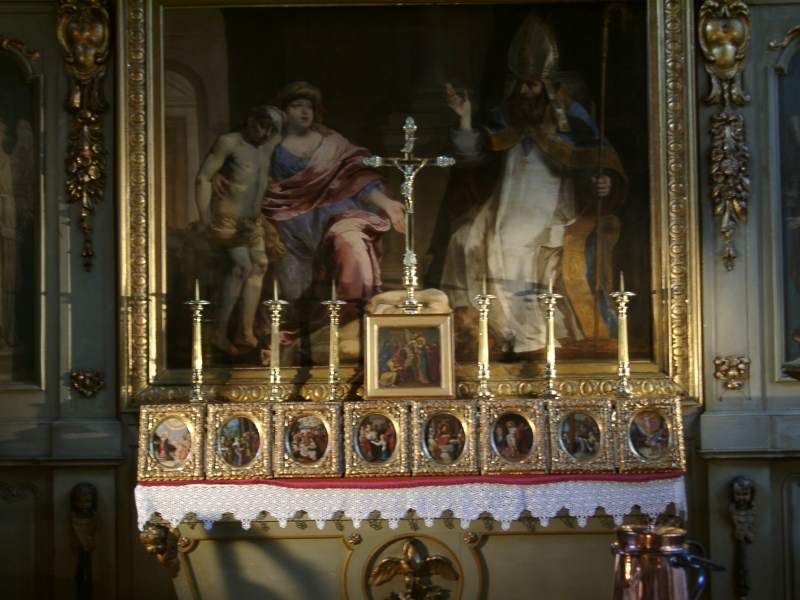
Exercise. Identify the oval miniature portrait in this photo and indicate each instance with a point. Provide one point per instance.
(171, 443)
(445, 438)
(512, 437)
(648, 434)
(376, 439)
(307, 438)
(580, 435)
(238, 442)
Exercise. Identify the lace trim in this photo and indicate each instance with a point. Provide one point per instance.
(465, 502)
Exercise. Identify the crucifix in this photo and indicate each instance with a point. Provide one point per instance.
(409, 165)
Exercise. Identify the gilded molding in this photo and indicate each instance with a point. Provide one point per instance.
(17, 46)
(87, 382)
(84, 33)
(732, 371)
(724, 35)
(780, 46)
(681, 243)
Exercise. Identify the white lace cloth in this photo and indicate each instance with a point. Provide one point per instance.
(466, 502)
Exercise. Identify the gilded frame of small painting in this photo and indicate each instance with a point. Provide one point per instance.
(650, 435)
(307, 440)
(171, 442)
(581, 436)
(376, 438)
(512, 436)
(409, 356)
(238, 441)
(445, 437)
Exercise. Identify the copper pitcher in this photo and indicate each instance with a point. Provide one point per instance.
(655, 564)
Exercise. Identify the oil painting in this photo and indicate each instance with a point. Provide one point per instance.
(789, 133)
(580, 435)
(239, 442)
(444, 438)
(409, 355)
(307, 439)
(171, 443)
(266, 181)
(19, 205)
(512, 437)
(649, 434)
(377, 438)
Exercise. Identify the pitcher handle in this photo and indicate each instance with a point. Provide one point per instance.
(702, 566)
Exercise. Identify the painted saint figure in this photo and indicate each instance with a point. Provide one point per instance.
(534, 189)
(230, 188)
(329, 208)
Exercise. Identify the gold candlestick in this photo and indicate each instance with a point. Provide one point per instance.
(409, 166)
(622, 298)
(197, 305)
(334, 307)
(275, 309)
(549, 300)
(484, 302)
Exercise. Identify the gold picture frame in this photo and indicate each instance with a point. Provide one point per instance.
(165, 453)
(445, 437)
(581, 435)
(395, 339)
(650, 435)
(301, 430)
(376, 438)
(239, 441)
(512, 436)
(146, 374)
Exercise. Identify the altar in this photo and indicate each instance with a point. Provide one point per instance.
(462, 537)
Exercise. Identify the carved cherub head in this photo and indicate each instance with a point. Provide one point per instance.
(83, 499)
(743, 492)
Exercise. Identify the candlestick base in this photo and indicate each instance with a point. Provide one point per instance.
(550, 393)
(623, 389)
(484, 393)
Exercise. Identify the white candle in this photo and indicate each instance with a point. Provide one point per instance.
(333, 289)
(621, 281)
(275, 289)
(197, 289)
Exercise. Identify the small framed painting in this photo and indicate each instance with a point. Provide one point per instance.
(512, 436)
(238, 441)
(445, 437)
(376, 438)
(307, 439)
(581, 436)
(170, 442)
(650, 434)
(409, 356)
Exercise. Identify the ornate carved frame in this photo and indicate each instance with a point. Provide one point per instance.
(628, 459)
(218, 415)
(674, 240)
(600, 410)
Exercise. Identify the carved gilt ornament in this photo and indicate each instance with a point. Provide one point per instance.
(724, 36)
(84, 35)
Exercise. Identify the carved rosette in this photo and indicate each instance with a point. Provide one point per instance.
(724, 36)
(732, 371)
(84, 34)
(87, 382)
